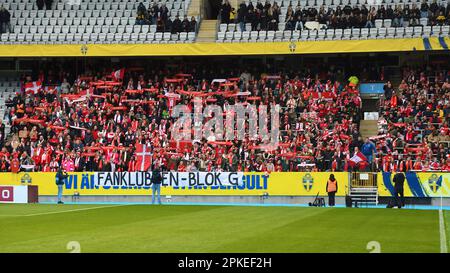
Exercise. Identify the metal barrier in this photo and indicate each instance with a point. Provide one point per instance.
(363, 180)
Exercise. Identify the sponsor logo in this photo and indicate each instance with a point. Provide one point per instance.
(6, 194)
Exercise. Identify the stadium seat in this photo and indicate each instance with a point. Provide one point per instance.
(364, 33)
(390, 33)
(237, 36)
(356, 32)
(347, 34)
(445, 31)
(382, 33)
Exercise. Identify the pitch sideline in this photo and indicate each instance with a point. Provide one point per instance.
(442, 234)
(63, 211)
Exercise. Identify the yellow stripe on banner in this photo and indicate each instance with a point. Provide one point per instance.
(434, 43)
(209, 49)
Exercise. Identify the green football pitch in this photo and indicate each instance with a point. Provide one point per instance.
(172, 228)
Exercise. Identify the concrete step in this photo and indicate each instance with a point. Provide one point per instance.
(207, 31)
(368, 128)
(194, 8)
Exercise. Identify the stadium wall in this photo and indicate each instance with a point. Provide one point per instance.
(282, 184)
(221, 49)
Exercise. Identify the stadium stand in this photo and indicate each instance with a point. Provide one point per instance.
(414, 124)
(56, 126)
(96, 21)
(311, 20)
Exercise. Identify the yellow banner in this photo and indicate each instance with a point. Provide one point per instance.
(423, 184)
(277, 183)
(214, 49)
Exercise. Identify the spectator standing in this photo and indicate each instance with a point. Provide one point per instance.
(2, 134)
(225, 12)
(368, 149)
(164, 13)
(40, 4)
(241, 16)
(424, 9)
(156, 184)
(5, 20)
(60, 179)
(48, 4)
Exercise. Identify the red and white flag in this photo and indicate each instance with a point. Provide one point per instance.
(118, 74)
(33, 87)
(357, 158)
(143, 157)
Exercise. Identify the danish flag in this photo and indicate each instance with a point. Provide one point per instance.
(357, 158)
(143, 157)
(118, 74)
(33, 87)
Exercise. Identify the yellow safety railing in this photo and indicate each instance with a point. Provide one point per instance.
(363, 180)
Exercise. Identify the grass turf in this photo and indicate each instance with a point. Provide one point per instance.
(145, 228)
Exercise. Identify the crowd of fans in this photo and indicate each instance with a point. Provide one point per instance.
(159, 16)
(99, 131)
(414, 124)
(85, 124)
(267, 16)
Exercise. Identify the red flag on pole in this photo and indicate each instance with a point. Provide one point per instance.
(143, 157)
(118, 74)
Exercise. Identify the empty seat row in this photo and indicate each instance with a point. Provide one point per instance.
(12, 38)
(108, 21)
(85, 29)
(100, 6)
(78, 14)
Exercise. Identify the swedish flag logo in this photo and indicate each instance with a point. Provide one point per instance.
(435, 182)
(292, 47)
(308, 181)
(26, 178)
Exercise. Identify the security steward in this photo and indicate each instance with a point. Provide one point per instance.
(332, 188)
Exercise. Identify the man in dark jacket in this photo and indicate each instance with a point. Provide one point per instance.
(241, 16)
(176, 25)
(5, 20)
(399, 179)
(40, 4)
(48, 4)
(60, 179)
(156, 184)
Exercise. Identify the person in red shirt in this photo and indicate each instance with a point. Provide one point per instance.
(181, 167)
(417, 166)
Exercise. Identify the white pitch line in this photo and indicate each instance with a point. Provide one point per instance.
(63, 211)
(442, 235)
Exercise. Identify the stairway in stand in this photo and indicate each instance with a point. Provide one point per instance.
(207, 32)
(368, 128)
